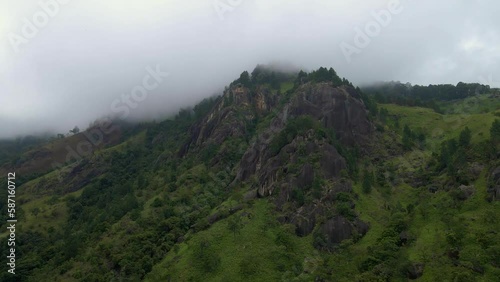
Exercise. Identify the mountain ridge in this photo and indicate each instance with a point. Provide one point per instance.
(334, 183)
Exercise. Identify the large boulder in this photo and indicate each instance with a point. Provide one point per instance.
(303, 225)
(495, 175)
(306, 176)
(341, 109)
(467, 191)
(339, 228)
(229, 118)
(271, 170)
(415, 270)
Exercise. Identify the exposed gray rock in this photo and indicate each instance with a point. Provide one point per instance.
(303, 225)
(338, 228)
(404, 237)
(309, 156)
(271, 173)
(306, 176)
(475, 170)
(494, 193)
(230, 115)
(467, 191)
(339, 186)
(433, 188)
(338, 108)
(495, 175)
(250, 195)
(494, 184)
(415, 270)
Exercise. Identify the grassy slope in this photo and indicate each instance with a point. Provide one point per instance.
(477, 215)
(472, 105)
(52, 213)
(438, 127)
(284, 87)
(52, 209)
(255, 244)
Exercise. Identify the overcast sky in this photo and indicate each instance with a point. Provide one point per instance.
(67, 64)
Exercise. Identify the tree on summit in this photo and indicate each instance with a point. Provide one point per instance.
(75, 130)
(326, 75)
(334, 77)
(301, 78)
(245, 79)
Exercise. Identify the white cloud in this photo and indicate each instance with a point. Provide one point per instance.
(92, 51)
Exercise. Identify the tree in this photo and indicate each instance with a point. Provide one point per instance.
(245, 79)
(321, 75)
(459, 163)
(407, 138)
(274, 81)
(383, 114)
(316, 188)
(367, 182)
(370, 103)
(452, 146)
(335, 78)
(204, 257)
(495, 131)
(35, 211)
(421, 138)
(301, 78)
(234, 224)
(249, 266)
(257, 73)
(465, 137)
(444, 156)
(75, 130)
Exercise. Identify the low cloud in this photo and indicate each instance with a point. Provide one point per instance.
(68, 67)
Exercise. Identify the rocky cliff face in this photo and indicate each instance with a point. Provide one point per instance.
(340, 109)
(308, 162)
(231, 116)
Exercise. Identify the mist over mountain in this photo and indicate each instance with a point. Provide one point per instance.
(284, 176)
(66, 63)
(249, 140)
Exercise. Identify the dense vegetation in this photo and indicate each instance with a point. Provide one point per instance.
(156, 209)
(429, 96)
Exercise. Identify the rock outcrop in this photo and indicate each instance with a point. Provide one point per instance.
(230, 117)
(415, 270)
(287, 174)
(337, 229)
(338, 108)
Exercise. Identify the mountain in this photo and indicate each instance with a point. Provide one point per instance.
(286, 176)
